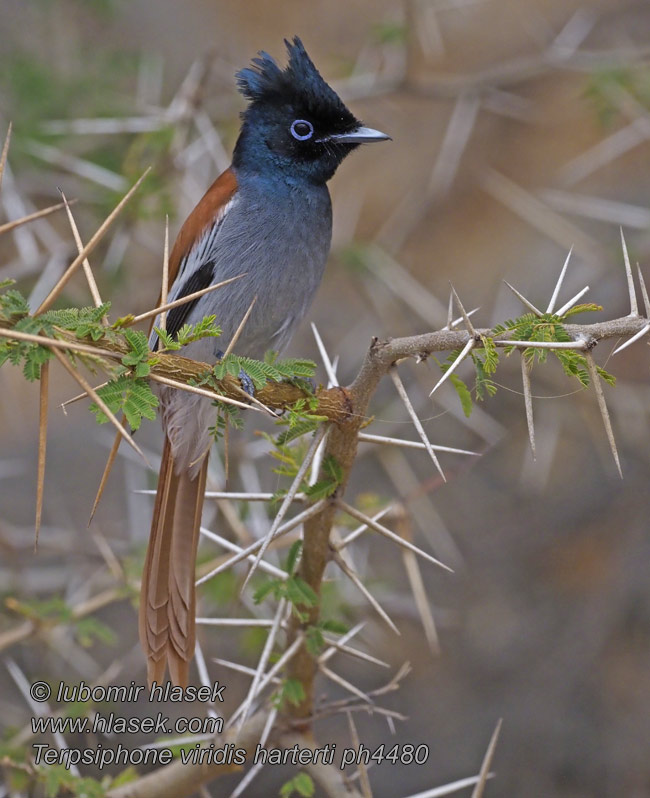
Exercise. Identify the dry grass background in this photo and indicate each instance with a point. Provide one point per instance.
(498, 157)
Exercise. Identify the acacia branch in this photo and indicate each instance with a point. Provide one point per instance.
(336, 404)
(342, 444)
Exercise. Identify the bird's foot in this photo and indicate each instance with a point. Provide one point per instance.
(246, 383)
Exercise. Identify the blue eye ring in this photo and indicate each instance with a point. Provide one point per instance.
(302, 136)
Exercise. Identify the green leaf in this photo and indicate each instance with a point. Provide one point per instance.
(297, 430)
(167, 342)
(206, 328)
(610, 379)
(588, 307)
(266, 588)
(300, 593)
(293, 691)
(490, 353)
(463, 394)
(292, 557)
(35, 357)
(12, 303)
(337, 627)
(138, 348)
(133, 397)
(327, 485)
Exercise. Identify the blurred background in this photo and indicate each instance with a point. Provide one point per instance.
(521, 128)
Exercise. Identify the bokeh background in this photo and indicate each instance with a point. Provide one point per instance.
(520, 128)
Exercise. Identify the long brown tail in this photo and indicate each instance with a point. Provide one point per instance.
(167, 595)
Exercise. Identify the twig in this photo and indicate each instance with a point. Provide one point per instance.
(356, 580)
(644, 292)
(165, 306)
(572, 301)
(107, 470)
(7, 227)
(634, 309)
(5, 152)
(448, 789)
(528, 401)
(90, 278)
(313, 509)
(42, 446)
(350, 510)
(164, 288)
(595, 381)
(382, 439)
(527, 303)
(264, 658)
(631, 340)
(90, 246)
(263, 565)
(558, 285)
(203, 392)
(487, 761)
(286, 502)
(100, 403)
(331, 375)
(471, 343)
(239, 329)
(363, 770)
(463, 313)
(416, 421)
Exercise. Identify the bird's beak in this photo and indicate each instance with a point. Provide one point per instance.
(362, 135)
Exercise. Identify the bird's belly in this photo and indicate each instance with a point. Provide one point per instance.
(282, 260)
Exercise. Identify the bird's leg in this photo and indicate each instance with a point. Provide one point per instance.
(246, 383)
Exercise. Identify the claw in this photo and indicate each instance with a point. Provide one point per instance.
(246, 383)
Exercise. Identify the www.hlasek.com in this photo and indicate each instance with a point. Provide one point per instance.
(116, 724)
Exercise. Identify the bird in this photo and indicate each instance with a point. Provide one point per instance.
(267, 217)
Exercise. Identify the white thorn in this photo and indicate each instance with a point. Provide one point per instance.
(487, 761)
(416, 421)
(329, 368)
(368, 438)
(465, 351)
(644, 292)
(634, 309)
(464, 313)
(631, 340)
(528, 401)
(572, 302)
(558, 285)
(350, 510)
(523, 299)
(595, 379)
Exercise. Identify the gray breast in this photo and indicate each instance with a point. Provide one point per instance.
(279, 237)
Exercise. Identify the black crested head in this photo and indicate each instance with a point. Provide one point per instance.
(295, 122)
(299, 84)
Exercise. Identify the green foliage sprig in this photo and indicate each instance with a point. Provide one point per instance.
(547, 328)
(294, 589)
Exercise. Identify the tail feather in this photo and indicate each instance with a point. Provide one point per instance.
(167, 596)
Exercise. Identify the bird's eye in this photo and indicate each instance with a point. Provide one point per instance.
(301, 129)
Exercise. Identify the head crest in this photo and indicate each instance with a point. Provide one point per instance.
(299, 83)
